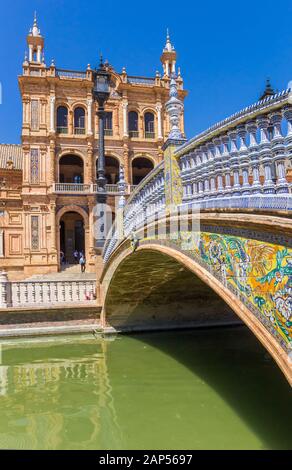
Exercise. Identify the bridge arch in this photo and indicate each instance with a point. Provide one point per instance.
(159, 278)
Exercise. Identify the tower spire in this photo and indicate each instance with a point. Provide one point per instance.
(168, 46)
(35, 42)
(168, 57)
(35, 31)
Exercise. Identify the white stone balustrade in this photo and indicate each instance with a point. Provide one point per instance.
(80, 188)
(33, 293)
(251, 158)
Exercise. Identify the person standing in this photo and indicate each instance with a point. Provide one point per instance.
(82, 263)
(76, 256)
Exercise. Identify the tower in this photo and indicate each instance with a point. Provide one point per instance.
(35, 42)
(168, 58)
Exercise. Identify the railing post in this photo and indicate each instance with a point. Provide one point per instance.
(278, 151)
(266, 154)
(243, 159)
(251, 128)
(4, 290)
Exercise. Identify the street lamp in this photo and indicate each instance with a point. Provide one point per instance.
(101, 94)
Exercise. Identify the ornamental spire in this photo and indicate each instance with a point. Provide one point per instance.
(269, 91)
(174, 108)
(168, 46)
(35, 31)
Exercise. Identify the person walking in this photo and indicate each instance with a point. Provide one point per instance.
(82, 263)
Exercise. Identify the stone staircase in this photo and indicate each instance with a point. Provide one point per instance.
(70, 272)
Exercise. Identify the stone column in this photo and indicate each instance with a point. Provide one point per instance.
(125, 118)
(53, 226)
(159, 122)
(89, 116)
(70, 122)
(39, 54)
(1, 243)
(127, 170)
(30, 53)
(52, 114)
(52, 163)
(91, 172)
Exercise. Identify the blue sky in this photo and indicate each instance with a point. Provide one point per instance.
(226, 50)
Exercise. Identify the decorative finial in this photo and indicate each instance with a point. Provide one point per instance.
(53, 63)
(168, 46)
(35, 31)
(88, 66)
(25, 56)
(100, 60)
(124, 70)
(269, 91)
(174, 108)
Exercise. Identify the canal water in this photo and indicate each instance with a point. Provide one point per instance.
(203, 389)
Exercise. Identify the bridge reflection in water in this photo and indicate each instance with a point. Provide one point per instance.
(214, 388)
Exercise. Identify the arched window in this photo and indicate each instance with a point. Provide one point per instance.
(149, 126)
(62, 120)
(112, 168)
(79, 121)
(141, 166)
(71, 169)
(133, 124)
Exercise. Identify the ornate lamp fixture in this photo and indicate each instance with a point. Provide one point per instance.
(101, 92)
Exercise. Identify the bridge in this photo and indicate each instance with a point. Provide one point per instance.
(206, 237)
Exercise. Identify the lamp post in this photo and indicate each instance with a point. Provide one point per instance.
(101, 94)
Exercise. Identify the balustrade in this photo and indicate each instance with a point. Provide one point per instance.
(45, 293)
(236, 163)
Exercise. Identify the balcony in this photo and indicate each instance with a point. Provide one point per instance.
(70, 188)
(134, 134)
(79, 130)
(149, 135)
(80, 188)
(62, 130)
(108, 132)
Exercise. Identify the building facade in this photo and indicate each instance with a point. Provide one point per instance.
(48, 183)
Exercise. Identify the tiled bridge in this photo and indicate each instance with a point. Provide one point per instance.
(206, 238)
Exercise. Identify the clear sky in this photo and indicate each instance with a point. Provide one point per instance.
(226, 49)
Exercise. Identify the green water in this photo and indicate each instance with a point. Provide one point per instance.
(204, 389)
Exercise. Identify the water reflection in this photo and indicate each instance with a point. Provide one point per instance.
(35, 410)
(202, 389)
